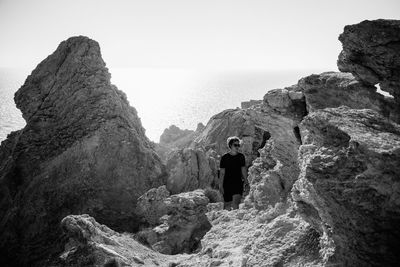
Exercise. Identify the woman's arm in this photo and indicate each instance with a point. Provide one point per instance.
(221, 179)
(244, 173)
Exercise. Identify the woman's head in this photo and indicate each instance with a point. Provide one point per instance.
(233, 142)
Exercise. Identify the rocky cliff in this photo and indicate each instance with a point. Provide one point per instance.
(333, 148)
(349, 184)
(174, 138)
(324, 176)
(371, 53)
(83, 150)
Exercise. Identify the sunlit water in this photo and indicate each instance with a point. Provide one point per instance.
(165, 96)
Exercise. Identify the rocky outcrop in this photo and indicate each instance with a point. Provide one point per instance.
(257, 238)
(232, 122)
(250, 103)
(267, 182)
(335, 89)
(371, 51)
(190, 169)
(272, 175)
(182, 226)
(83, 150)
(173, 133)
(173, 138)
(93, 244)
(349, 186)
(324, 178)
(151, 206)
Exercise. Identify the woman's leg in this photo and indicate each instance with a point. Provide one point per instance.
(228, 205)
(236, 201)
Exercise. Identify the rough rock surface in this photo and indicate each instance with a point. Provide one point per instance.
(267, 182)
(93, 244)
(232, 122)
(183, 226)
(173, 133)
(340, 165)
(173, 138)
(250, 103)
(349, 185)
(276, 237)
(335, 89)
(83, 150)
(190, 169)
(272, 175)
(371, 51)
(151, 205)
(250, 237)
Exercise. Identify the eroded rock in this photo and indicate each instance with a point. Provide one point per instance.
(174, 138)
(250, 237)
(151, 205)
(173, 133)
(349, 185)
(371, 51)
(183, 226)
(190, 169)
(231, 122)
(83, 150)
(335, 89)
(93, 244)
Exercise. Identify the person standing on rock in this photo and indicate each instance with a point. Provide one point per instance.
(232, 173)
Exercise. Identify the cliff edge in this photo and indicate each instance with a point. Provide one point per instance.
(83, 150)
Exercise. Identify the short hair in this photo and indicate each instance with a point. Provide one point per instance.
(232, 139)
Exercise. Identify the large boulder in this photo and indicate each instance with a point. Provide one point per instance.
(183, 225)
(94, 244)
(190, 169)
(371, 51)
(272, 175)
(83, 150)
(335, 89)
(173, 133)
(349, 185)
(274, 237)
(174, 138)
(151, 206)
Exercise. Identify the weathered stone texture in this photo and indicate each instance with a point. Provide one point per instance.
(371, 51)
(182, 226)
(190, 169)
(83, 150)
(93, 244)
(349, 185)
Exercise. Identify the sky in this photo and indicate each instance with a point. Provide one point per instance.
(203, 34)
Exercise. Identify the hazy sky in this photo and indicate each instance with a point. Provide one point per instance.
(250, 34)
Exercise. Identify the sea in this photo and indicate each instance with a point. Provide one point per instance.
(165, 96)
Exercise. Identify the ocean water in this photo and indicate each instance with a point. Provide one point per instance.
(10, 117)
(166, 96)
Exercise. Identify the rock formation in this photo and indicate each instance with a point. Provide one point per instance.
(371, 51)
(151, 206)
(93, 244)
(276, 117)
(272, 175)
(173, 138)
(83, 150)
(257, 238)
(334, 89)
(349, 184)
(173, 133)
(231, 122)
(182, 226)
(324, 177)
(190, 169)
(250, 103)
